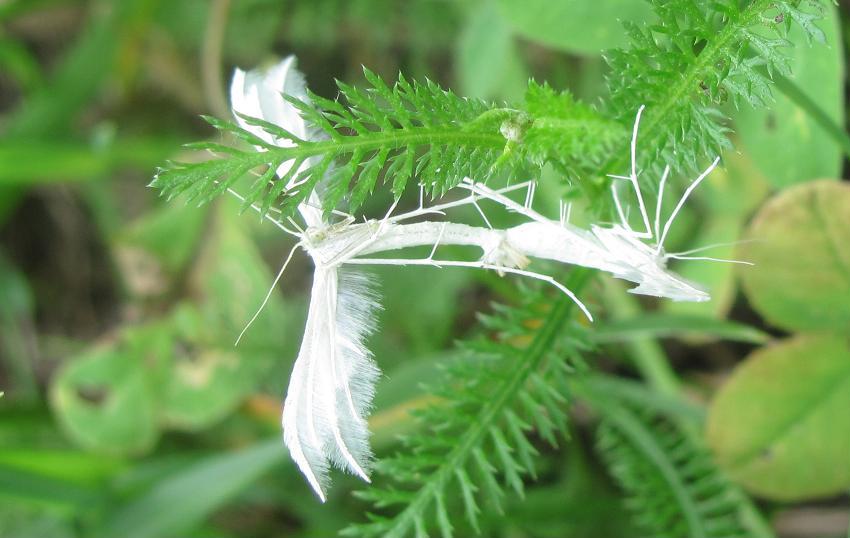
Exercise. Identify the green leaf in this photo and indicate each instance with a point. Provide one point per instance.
(495, 404)
(800, 245)
(779, 425)
(74, 466)
(183, 500)
(104, 398)
(786, 144)
(20, 65)
(488, 63)
(40, 490)
(24, 162)
(576, 26)
(422, 326)
(154, 250)
(207, 376)
(561, 125)
(98, 53)
(23, 521)
(673, 486)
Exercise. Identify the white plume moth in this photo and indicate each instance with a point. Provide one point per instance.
(332, 383)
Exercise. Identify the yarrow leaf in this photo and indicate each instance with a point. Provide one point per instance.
(494, 397)
(393, 134)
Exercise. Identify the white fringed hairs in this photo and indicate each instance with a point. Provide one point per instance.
(332, 383)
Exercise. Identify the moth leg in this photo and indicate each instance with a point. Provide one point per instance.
(269, 293)
(476, 265)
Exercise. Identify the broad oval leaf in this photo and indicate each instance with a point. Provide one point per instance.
(106, 398)
(207, 377)
(779, 426)
(800, 245)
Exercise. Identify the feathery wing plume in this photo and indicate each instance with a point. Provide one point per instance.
(332, 382)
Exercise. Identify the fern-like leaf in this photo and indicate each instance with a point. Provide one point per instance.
(696, 56)
(476, 443)
(397, 133)
(674, 489)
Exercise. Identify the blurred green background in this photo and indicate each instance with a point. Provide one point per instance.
(128, 412)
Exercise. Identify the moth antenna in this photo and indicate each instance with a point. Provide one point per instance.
(619, 207)
(709, 259)
(688, 192)
(475, 265)
(269, 293)
(714, 245)
(658, 203)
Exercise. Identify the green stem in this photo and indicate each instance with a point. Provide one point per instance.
(492, 411)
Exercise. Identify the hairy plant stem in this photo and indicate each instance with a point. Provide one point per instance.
(528, 362)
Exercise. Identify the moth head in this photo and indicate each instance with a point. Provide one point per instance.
(659, 281)
(640, 260)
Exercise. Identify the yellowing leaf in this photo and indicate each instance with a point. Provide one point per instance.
(800, 245)
(779, 426)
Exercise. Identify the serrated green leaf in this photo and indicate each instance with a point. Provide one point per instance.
(787, 145)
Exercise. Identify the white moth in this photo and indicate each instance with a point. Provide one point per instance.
(332, 383)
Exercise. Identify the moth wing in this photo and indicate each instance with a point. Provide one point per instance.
(332, 383)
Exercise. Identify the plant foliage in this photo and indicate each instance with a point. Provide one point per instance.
(410, 130)
(682, 68)
(674, 488)
(475, 443)
(693, 59)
